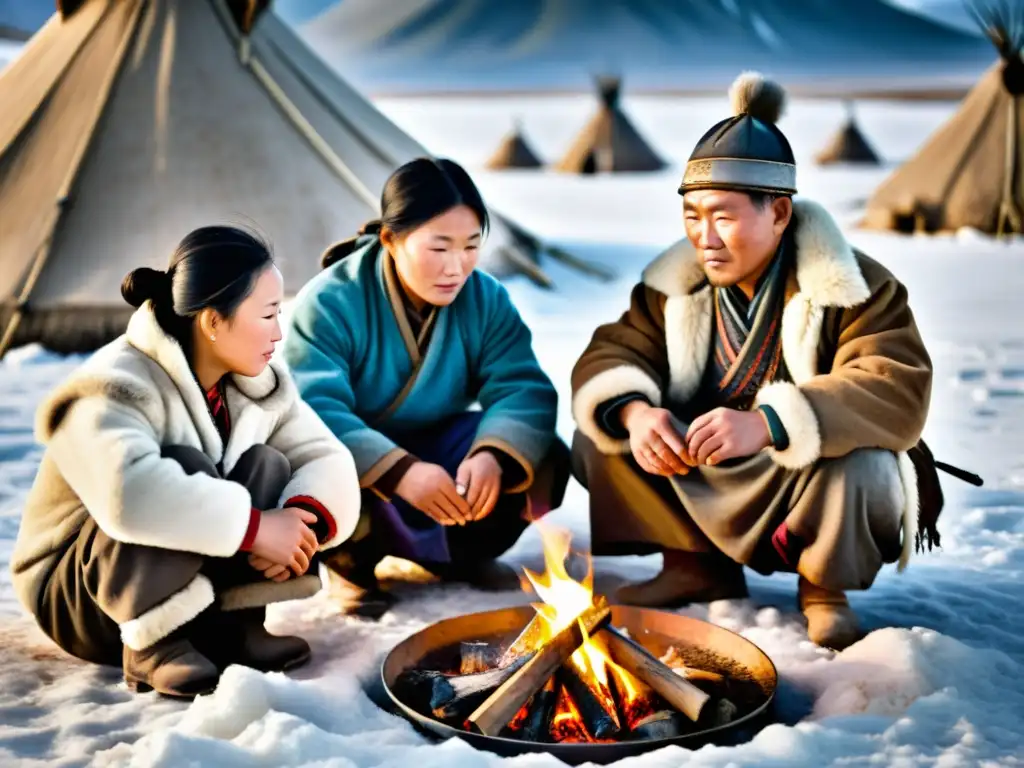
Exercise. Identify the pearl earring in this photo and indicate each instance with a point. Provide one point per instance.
(212, 337)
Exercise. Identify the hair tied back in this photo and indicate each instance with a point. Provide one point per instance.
(343, 248)
(145, 284)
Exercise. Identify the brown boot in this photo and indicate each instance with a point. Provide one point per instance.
(687, 577)
(831, 623)
(240, 637)
(354, 586)
(488, 575)
(171, 666)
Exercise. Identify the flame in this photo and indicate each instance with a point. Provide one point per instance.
(564, 599)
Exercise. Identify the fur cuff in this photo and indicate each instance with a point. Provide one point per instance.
(161, 620)
(261, 593)
(911, 507)
(603, 387)
(801, 425)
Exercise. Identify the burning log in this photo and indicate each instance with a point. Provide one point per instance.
(676, 690)
(477, 657)
(452, 697)
(530, 638)
(593, 700)
(501, 706)
(664, 724)
(567, 722)
(537, 725)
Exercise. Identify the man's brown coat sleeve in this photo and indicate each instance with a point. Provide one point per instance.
(877, 391)
(624, 357)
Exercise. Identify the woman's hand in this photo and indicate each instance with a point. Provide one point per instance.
(270, 571)
(430, 489)
(285, 538)
(479, 481)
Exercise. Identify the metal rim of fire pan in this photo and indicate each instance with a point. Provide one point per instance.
(509, 621)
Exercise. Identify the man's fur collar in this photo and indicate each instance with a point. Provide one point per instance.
(826, 268)
(135, 368)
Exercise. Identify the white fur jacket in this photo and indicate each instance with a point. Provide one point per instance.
(103, 430)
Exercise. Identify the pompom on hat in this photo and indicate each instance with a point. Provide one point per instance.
(746, 152)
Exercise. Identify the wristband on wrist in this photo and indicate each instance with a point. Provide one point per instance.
(777, 432)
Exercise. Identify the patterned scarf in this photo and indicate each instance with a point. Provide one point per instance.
(748, 347)
(219, 410)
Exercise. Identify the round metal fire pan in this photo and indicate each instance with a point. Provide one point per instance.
(656, 630)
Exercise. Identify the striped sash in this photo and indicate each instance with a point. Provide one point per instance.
(748, 346)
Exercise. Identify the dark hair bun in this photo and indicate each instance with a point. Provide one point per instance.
(144, 284)
(343, 248)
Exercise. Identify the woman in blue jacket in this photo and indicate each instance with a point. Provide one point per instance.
(392, 345)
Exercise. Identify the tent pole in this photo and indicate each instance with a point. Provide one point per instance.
(1008, 212)
(9, 331)
(26, 290)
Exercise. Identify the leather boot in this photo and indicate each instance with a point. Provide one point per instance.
(240, 637)
(687, 577)
(831, 623)
(172, 666)
(487, 575)
(354, 586)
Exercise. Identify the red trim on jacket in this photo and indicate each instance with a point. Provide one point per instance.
(251, 531)
(318, 509)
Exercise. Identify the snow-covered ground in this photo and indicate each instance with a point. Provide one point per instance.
(938, 681)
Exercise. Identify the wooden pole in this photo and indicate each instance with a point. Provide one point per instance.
(502, 705)
(676, 690)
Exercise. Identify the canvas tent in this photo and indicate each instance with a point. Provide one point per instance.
(126, 123)
(514, 152)
(848, 145)
(609, 142)
(969, 173)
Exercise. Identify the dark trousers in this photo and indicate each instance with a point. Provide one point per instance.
(99, 583)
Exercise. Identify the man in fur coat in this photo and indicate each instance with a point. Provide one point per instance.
(755, 404)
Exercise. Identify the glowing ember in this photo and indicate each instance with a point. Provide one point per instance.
(566, 724)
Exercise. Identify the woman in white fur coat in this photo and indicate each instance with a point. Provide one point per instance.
(185, 484)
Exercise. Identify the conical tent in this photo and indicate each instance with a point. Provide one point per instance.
(609, 142)
(514, 152)
(848, 145)
(969, 173)
(127, 123)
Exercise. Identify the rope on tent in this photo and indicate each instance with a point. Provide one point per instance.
(287, 106)
(310, 134)
(64, 193)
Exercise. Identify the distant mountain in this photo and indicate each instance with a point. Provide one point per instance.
(673, 44)
(950, 12)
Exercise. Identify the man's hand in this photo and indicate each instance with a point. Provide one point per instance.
(656, 444)
(430, 489)
(478, 481)
(727, 434)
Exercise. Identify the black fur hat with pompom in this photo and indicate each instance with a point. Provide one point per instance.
(745, 152)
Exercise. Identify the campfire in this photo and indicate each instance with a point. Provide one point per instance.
(571, 676)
